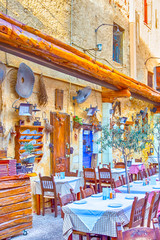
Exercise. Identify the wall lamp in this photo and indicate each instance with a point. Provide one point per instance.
(99, 45)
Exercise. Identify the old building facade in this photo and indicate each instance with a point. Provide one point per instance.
(84, 25)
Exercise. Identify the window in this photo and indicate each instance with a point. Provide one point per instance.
(150, 79)
(118, 44)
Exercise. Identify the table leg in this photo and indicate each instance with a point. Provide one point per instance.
(38, 203)
(78, 196)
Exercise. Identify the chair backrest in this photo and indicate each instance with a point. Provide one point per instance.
(142, 174)
(138, 160)
(72, 174)
(130, 177)
(87, 192)
(150, 172)
(90, 176)
(139, 233)
(138, 211)
(119, 165)
(123, 180)
(105, 165)
(120, 179)
(153, 207)
(47, 184)
(64, 200)
(117, 183)
(154, 169)
(105, 176)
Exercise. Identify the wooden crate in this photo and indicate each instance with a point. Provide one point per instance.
(15, 205)
(7, 167)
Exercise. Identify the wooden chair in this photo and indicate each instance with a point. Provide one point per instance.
(138, 212)
(48, 189)
(138, 160)
(105, 165)
(139, 233)
(150, 172)
(154, 170)
(119, 165)
(130, 176)
(117, 183)
(123, 180)
(64, 200)
(120, 179)
(153, 210)
(90, 178)
(142, 174)
(72, 174)
(87, 192)
(105, 178)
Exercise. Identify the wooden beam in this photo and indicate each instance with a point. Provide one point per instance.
(24, 41)
(108, 99)
(115, 94)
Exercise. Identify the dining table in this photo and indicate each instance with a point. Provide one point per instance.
(135, 168)
(98, 216)
(137, 187)
(63, 187)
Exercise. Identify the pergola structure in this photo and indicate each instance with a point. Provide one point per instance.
(31, 44)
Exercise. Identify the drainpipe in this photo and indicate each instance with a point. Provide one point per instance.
(71, 22)
(132, 32)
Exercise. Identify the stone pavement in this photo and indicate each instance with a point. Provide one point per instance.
(44, 228)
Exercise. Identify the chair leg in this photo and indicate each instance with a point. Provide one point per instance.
(55, 206)
(88, 236)
(80, 237)
(52, 205)
(43, 206)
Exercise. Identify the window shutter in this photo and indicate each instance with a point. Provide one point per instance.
(145, 12)
(157, 78)
(150, 79)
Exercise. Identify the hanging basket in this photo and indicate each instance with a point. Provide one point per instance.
(77, 125)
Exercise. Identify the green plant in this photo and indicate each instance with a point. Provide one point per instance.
(28, 148)
(126, 140)
(78, 120)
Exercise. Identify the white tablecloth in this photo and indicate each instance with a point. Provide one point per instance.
(152, 159)
(96, 216)
(62, 185)
(138, 188)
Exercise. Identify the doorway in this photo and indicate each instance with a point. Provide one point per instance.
(87, 148)
(60, 142)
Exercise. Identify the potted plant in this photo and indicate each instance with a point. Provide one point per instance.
(77, 122)
(28, 156)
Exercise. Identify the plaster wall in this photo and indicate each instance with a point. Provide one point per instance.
(10, 118)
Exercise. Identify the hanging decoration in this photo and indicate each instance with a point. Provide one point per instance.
(25, 81)
(42, 96)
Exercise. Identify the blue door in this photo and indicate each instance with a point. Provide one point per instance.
(87, 148)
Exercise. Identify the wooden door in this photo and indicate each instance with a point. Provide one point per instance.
(60, 140)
